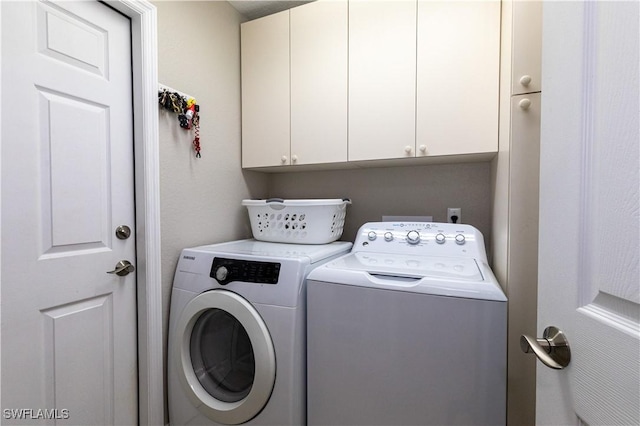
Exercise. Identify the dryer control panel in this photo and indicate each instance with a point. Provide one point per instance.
(226, 270)
(421, 238)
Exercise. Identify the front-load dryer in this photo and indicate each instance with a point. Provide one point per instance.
(407, 329)
(237, 333)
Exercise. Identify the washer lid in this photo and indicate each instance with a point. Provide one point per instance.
(443, 276)
(400, 265)
(310, 252)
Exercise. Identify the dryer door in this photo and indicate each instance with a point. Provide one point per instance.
(226, 356)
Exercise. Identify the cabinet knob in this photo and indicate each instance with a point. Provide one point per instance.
(525, 80)
(294, 158)
(407, 149)
(423, 148)
(524, 104)
(283, 159)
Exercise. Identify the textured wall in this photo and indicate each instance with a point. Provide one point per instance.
(199, 54)
(399, 191)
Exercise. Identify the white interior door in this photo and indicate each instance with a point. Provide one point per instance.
(589, 284)
(68, 327)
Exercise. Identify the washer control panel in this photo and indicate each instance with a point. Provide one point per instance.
(226, 270)
(421, 238)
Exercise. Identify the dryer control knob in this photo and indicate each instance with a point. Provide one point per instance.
(388, 236)
(372, 235)
(460, 239)
(440, 238)
(222, 273)
(413, 237)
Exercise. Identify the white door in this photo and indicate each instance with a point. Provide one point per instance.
(382, 79)
(589, 284)
(68, 327)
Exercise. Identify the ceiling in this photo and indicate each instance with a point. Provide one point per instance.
(253, 9)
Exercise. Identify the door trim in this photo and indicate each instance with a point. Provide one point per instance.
(147, 187)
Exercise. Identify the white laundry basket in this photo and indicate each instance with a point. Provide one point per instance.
(276, 220)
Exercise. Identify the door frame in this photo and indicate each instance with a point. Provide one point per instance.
(147, 189)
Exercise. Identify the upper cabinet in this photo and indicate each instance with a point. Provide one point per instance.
(527, 47)
(333, 82)
(382, 79)
(294, 86)
(319, 83)
(458, 77)
(265, 91)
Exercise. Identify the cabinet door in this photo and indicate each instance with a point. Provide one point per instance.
(458, 76)
(319, 82)
(527, 47)
(382, 78)
(265, 91)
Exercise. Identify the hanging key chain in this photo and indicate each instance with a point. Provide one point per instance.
(196, 124)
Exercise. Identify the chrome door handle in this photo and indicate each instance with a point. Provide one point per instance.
(552, 350)
(124, 267)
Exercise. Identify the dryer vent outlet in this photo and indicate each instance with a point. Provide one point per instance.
(454, 215)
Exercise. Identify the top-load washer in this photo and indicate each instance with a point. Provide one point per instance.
(407, 329)
(237, 332)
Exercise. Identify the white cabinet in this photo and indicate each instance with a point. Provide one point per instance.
(382, 78)
(265, 91)
(458, 77)
(336, 82)
(527, 47)
(319, 83)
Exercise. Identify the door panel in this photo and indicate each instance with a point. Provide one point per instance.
(68, 327)
(589, 211)
(85, 324)
(382, 79)
(67, 154)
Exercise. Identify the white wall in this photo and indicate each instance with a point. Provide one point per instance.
(199, 54)
(411, 190)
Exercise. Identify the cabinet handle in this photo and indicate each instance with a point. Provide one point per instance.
(423, 149)
(294, 158)
(525, 80)
(283, 159)
(524, 104)
(407, 149)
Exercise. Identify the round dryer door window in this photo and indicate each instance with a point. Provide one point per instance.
(222, 356)
(227, 357)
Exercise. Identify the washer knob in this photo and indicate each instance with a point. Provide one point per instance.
(440, 238)
(413, 237)
(372, 235)
(222, 273)
(388, 236)
(460, 239)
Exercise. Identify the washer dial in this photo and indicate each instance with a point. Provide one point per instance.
(413, 237)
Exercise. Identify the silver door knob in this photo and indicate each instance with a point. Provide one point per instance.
(552, 350)
(123, 232)
(124, 267)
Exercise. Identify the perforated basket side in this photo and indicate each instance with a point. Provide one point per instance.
(299, 224)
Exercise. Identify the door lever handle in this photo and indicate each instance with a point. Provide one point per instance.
(552, 350)
(124, 267)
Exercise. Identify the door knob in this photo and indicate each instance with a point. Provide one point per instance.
(124, 267)
(123, 232)
(552, 350)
